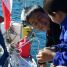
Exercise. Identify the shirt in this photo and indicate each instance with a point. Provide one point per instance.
(61, 55)
(5, 55)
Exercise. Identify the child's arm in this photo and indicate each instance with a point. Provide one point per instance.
(45, 55)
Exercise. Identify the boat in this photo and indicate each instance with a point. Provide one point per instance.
(15, 34)
(12, 37)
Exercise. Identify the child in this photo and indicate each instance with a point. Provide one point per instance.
(3, 58)
(57, 11)
(37, 17)
(40, 22)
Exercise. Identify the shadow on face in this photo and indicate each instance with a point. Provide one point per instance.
(39, 21)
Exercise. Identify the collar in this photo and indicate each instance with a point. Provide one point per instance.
(64, 22)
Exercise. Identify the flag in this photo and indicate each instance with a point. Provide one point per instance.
(23, 47)
(7, 7)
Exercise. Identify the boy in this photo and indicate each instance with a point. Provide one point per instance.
(3, 58)
(37, 17)
(57, 11)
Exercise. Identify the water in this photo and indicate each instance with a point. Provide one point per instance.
(39, 42)
(18, 6)
(15, 15)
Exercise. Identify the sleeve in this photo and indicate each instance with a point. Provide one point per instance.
(2, 43)
(61, 55)
(5, 55)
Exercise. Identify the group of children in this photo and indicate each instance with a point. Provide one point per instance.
(57, 11)
(54, 21)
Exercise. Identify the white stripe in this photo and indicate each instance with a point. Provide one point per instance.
(8, 4)
(11, 2)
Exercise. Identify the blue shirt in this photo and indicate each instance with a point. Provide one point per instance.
(61, 55)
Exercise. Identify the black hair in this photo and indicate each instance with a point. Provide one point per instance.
(55, 6)
(34, 9)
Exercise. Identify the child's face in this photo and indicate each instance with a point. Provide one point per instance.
(58, 17)
(39, 22)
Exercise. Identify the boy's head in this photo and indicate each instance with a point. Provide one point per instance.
(57, 9)
(38, 18)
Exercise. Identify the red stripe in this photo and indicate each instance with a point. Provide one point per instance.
(6, 13)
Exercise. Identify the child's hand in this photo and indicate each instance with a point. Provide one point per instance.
(45, 55)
